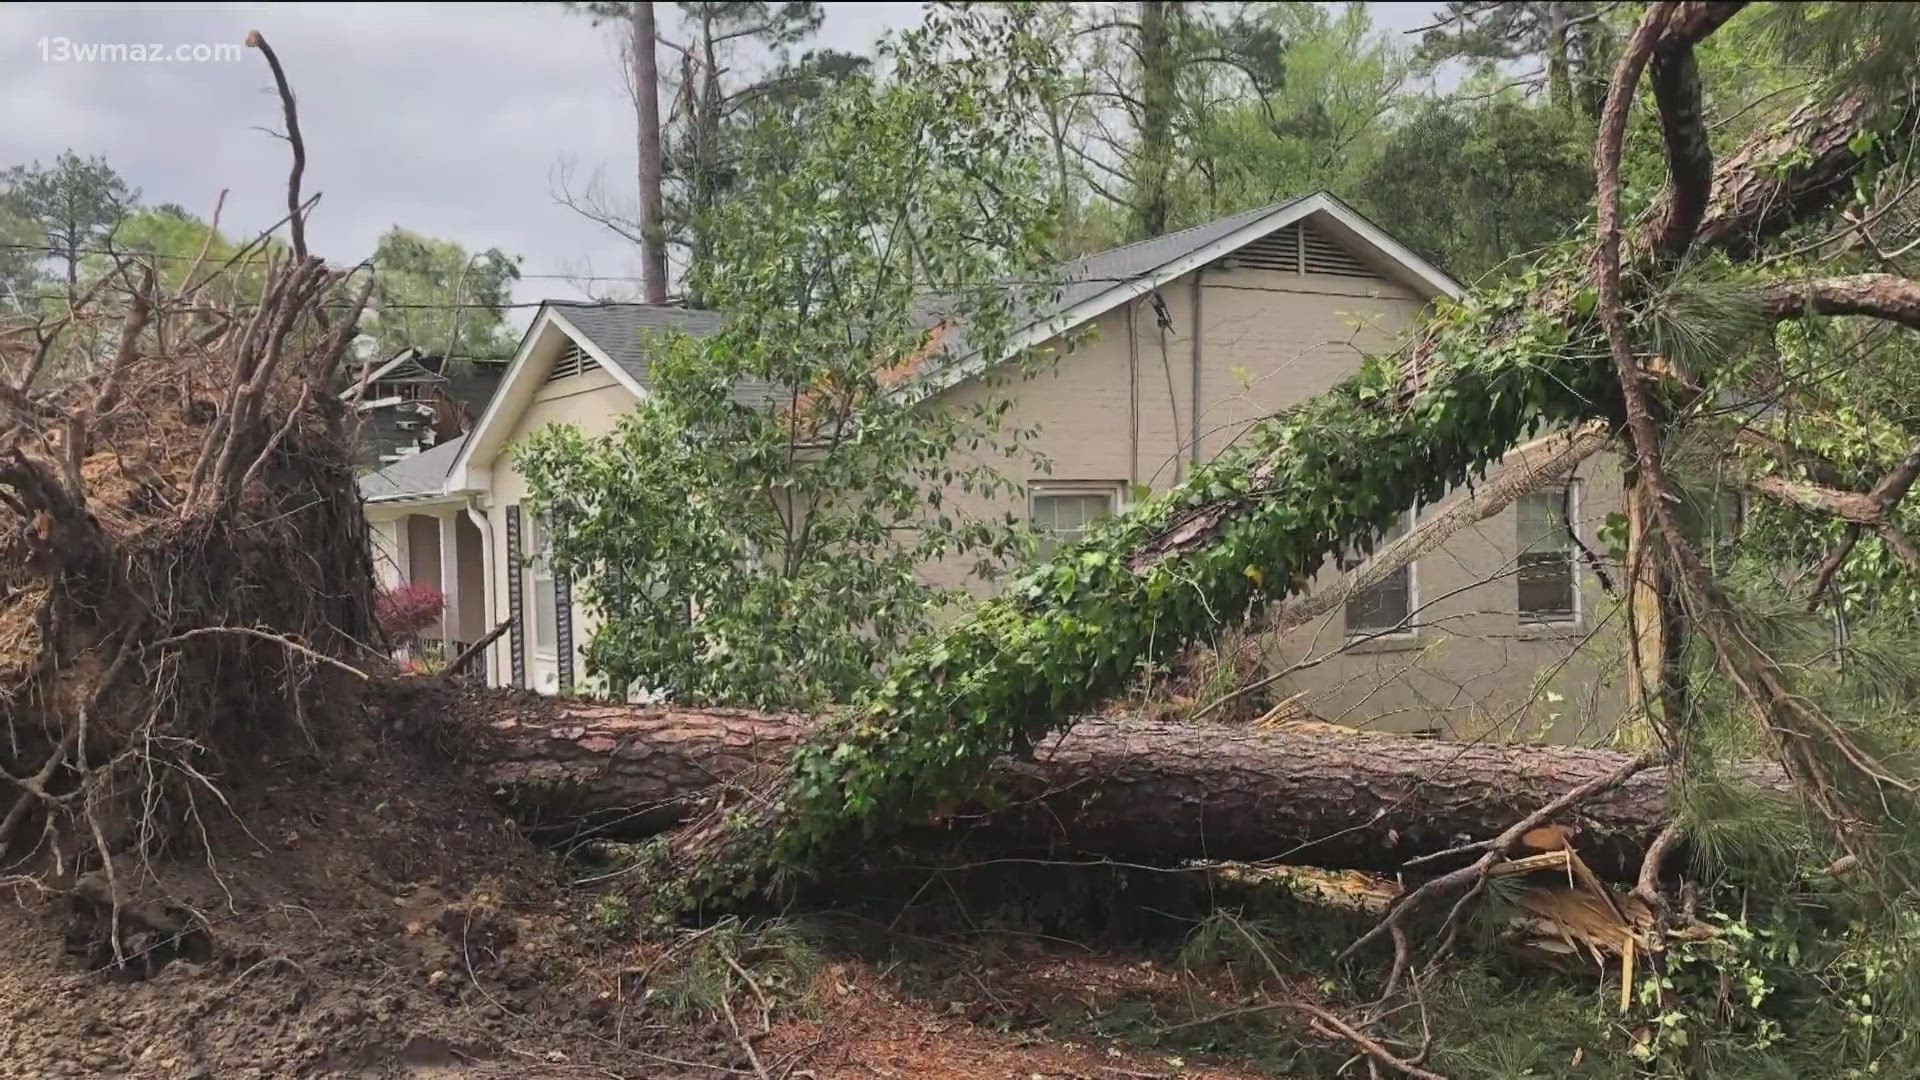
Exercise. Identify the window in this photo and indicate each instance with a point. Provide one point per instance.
(1062, 513)
(1545, 564)
(1386, 606)
(546, 636)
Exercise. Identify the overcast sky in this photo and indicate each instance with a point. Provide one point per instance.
(448, 119)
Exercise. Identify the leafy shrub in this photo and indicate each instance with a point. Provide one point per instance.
(403, 612)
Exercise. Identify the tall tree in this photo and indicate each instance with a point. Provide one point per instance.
(1472, 184)
(754, 531)
(646, 100)
(21, 254)
(723, 91)
(1321, 127)
(736, 64)
(1570, 42)
(1152, 69)
(434, 296)
(73, 206)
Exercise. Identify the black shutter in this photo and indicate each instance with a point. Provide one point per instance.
(516, 636)
(563, 627)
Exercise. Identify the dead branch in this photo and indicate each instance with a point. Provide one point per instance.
(1473, 876)
(472, 652)
(1329, 1023)
(297, 226)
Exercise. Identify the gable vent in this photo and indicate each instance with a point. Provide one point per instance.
(573, 361)
(1301, 249)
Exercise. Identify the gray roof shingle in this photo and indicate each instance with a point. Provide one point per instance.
(413, 476)
(1087, 277)
(620, 331)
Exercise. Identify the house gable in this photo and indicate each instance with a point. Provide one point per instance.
(1328, 238)
(553, 352)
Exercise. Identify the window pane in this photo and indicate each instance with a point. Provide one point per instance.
(1384, 605)
(545, 639)
(1063, 517)
(1541, 524)
(1546, 586)
(1545, 578)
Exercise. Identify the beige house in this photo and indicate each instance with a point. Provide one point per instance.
(1181, 342)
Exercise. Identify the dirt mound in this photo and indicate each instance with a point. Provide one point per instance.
(368, 912)
(346, 915)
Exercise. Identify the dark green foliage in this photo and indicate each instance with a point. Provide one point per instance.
(1472, 185)
(784, 478)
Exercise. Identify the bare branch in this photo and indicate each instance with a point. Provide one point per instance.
(297, 223)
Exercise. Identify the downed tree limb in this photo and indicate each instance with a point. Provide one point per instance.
(1127, 790)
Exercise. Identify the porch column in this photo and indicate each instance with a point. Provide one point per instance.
(449, 574)
(402, 551)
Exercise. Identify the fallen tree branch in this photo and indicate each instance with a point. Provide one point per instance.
(1880, 296)
(472, 652)
(1531, 468)
(1333, 1025)
(1796, 727)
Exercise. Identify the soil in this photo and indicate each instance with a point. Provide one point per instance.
(365, 912)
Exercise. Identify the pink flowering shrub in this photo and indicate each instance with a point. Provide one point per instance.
(404, 611)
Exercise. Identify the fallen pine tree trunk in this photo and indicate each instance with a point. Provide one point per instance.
(1253, 526)
(1127, 790)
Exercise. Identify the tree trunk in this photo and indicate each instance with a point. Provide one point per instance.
(1160, 46)
(646, 98)
(1656, 687)
(1127, 790)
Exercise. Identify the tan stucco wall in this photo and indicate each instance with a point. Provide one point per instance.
(1472, 668)
(593, 402)
(1119, 409)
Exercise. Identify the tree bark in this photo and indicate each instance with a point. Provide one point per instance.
(646, 98)
(1122, 789)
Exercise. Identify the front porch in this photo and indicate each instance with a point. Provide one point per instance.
(438, 545)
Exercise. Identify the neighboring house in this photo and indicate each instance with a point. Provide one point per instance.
(414, 401)
(1245, 316)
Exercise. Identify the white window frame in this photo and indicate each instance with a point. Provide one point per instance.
(1572, 500)
(1115, 492)
(1411, 628)
(540, 568)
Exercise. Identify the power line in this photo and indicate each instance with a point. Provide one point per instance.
(524, 276)
(167, 257)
